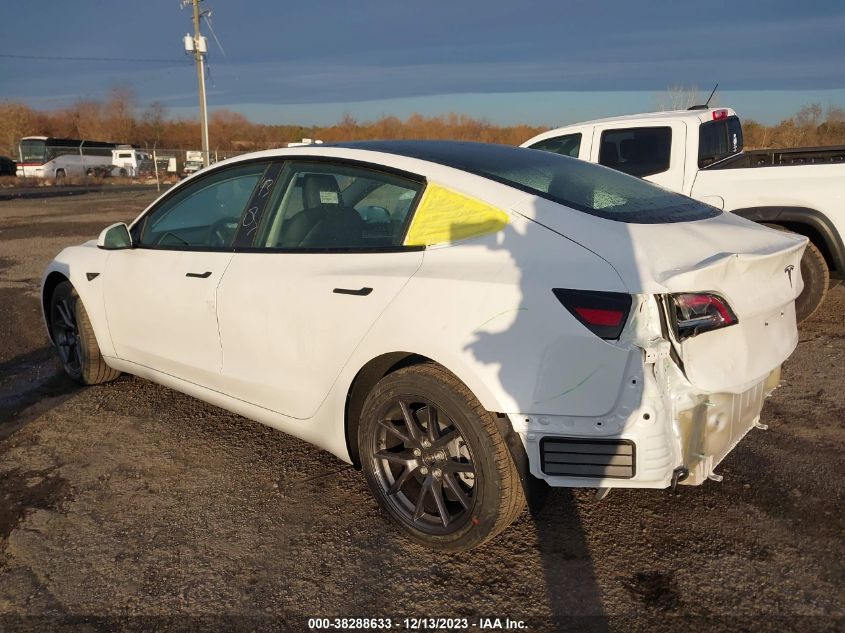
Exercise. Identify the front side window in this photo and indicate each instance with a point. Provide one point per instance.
(325, 207)
(205, 213)
(567, 145)
(642, 151)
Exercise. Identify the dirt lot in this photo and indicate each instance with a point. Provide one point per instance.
(131, 506)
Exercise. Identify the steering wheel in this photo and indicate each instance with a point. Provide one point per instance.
(222, 231)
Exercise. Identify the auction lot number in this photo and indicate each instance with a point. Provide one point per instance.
(414, 624)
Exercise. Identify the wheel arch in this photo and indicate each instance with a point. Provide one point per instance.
(812, 224)
(53, 279)
(377, 368)
(367, 377)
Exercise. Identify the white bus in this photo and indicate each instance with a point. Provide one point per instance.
(45, 157)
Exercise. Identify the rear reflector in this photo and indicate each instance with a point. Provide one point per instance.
(603, 313)
(696, 313)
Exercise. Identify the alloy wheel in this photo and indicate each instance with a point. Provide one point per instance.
(424, 466)
(66, 336)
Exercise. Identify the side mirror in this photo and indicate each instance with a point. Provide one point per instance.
(115, 237)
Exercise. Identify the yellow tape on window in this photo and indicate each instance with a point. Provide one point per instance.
(445, 216)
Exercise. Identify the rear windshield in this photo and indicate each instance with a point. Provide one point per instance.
(718, 140)
(583, 186)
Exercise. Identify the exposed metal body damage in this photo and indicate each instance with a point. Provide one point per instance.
(676, 427)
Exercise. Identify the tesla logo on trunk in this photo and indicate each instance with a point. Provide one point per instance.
(788, 270)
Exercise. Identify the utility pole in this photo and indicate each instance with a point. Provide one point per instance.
(199, 47)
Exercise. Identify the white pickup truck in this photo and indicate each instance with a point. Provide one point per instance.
(699, 153)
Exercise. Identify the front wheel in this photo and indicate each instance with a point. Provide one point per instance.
(435, 461)
(74, 338)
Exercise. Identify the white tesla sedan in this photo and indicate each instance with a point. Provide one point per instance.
(458, 319)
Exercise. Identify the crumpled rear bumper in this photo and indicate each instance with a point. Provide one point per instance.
(714, 426)
(676, 430)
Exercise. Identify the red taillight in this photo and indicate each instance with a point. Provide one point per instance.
(696, 313)
(603, 313)
(594, 316)
(720, 114)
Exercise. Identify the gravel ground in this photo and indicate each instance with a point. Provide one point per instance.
(130, 506)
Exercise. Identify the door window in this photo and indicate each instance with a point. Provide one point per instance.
(567, 145)
(642, 151)
(204, 214)
(718, 140)
(327, 207)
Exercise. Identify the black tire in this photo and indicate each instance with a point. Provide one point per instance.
(816, 276)
(458, 491)
(74, 338)
(60, 173)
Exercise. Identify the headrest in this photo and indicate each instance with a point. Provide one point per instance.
(627, 148)
(319, 190)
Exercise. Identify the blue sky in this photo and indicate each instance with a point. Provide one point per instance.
(541, 62)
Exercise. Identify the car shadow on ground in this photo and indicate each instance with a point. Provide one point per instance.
(30, 384)
(572, 591)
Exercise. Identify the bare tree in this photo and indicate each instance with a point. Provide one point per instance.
(835, 115)
(678, 97)
(810, 115)
(16, 120)
(120, 114)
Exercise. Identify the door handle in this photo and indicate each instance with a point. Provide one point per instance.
(361, 292)
(204, 275)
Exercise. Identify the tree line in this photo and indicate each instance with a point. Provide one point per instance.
(117, 118)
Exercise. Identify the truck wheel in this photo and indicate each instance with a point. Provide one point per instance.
(74, 338)
(816, 276)
(435, 461)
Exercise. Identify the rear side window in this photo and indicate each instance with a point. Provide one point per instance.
(567, 145)
(642, 151)
(718, 140)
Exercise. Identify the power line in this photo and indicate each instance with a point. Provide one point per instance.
(92, 59)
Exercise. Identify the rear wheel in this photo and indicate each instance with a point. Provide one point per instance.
(435, 461)
(816, 277)
(60, 173)
(74, 338)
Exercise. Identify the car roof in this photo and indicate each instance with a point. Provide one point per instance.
(698, 116)
(441, 152)
(454, 155)
(702, 115)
